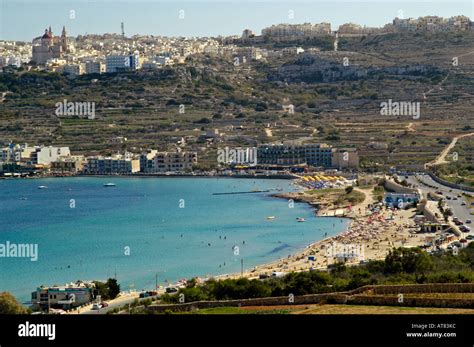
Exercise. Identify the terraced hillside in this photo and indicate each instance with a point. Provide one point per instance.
(333, 103)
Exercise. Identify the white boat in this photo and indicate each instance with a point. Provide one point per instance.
(109, 185)
(299, 219)
(42, 187)
(270, 217)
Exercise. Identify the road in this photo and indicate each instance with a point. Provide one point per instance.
(116, 303)
(462, 212)
(441, 159)
(121, 301)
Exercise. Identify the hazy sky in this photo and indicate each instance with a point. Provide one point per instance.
(26, 19)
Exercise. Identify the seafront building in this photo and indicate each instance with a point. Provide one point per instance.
(65, 297)
(16, 153)
(46, 155)
(317, 155)
(73, 164)
(119, 164)
(160, 162)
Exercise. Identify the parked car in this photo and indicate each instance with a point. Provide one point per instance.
(96, 306)
(144, 295)
(263, 276)
(104, 304)
(468, 221)
(278, 274)
(171, 290)
(470, 237)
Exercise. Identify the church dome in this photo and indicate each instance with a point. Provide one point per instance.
(47, 35)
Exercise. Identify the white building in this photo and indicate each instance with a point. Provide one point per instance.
(116, 63)
(94, 67)
(46, 155)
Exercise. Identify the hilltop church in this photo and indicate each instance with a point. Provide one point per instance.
(49, 46)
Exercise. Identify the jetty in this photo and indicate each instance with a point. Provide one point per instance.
(249, 192)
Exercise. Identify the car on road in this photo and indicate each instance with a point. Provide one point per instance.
(468, 221)
(464, 229)
(455, 198)
(263, 276)
(171, 290)
(144, 295)
(96, 306)
(463, 203)
(105, 304)
(470, 237)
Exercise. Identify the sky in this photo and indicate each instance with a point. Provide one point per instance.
(25, 19)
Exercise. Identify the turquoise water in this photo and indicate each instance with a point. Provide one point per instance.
(147, 216)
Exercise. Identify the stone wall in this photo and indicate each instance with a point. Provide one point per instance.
(355, 297)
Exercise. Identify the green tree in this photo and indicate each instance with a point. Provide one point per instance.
(113, 288)
(9, 305)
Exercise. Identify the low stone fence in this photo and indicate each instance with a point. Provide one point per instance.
(336, 298)
(355, 297)
(424, 288)
(379, 300)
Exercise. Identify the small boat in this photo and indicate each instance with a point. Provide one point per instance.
(270, 217)
(109, 185)
(299, 219)
(23, 198)
(42, 187)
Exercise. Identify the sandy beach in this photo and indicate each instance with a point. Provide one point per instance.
(370, 236)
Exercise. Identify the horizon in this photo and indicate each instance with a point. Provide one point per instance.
(209, 18)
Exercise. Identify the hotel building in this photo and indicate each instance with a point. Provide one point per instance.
(318, 155)
(159, 162)
(65, 297)
(116, 63)
(111, 165)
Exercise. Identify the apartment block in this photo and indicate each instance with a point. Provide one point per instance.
(111, 165)
(158, 162)
(65, 297)
(318, 155)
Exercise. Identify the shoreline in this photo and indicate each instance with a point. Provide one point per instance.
(250, 176)
(299, 259)
(374, 234)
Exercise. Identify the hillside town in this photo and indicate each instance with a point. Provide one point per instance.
(109, 53)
